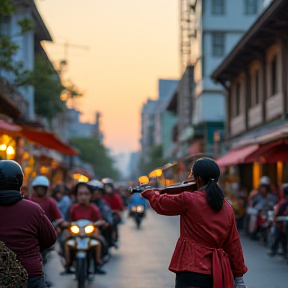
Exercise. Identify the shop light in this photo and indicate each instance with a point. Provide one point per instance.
(3, 147)
(10, 151)
(44, 170)
(80, 177)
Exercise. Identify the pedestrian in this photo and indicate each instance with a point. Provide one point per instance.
(25, 228)
(208, 253)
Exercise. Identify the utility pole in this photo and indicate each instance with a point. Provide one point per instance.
(67, 45)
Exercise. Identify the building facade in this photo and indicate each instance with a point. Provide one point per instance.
(255, 77)
(28, 43)
(155, 121)
(217, 26)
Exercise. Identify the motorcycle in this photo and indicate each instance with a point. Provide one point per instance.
(82, 246)
(138, 213)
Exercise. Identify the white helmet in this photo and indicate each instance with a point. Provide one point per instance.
(40, 181)
(107, 181)
(95, 184)
(265, 180)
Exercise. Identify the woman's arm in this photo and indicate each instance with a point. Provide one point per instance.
(233, 248)
(164, 204)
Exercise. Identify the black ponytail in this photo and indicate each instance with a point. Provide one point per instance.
(209, 172)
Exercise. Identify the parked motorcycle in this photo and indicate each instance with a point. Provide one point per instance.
(82, 246)
(284, 220)
(138, 213)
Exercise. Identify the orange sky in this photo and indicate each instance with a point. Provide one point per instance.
(132, 43)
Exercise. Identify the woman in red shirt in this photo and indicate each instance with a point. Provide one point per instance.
(208, 253)
(86, 210)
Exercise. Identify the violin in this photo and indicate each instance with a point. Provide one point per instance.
(188, 185)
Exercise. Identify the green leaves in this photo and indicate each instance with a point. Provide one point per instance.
(93, 152)
(6, 8)
(26, 25)
(152, 161)
(7, 47)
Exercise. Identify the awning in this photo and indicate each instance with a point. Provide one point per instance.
(48, 140)
(271, 152)
(237, 156)
(9, 128)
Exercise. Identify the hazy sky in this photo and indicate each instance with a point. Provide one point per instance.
(132, 43)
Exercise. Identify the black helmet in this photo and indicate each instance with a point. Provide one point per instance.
(11, 175)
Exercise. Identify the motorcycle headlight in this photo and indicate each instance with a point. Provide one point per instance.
(89, 229)
(140, 209)
(74, 229)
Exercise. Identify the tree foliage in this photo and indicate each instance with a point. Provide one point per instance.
(7, 47)
(155, 160)
(47, 85)
(93, 151)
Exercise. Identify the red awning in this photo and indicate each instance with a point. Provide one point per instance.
(9, 128)
(237, 156)
(271, 152)
(48, 140)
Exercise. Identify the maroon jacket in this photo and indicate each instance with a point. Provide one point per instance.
(209, 242)
(26, 230)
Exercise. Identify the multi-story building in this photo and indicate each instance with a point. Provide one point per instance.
(166, 88)
(28, 43)
(215, 27)
(147, 126)
(156, 122)
(181, 105)
(255, 75)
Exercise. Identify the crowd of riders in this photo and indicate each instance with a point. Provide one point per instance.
(263, 215)
(97, 201)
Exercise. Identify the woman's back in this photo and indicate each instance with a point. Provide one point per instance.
(202, 223)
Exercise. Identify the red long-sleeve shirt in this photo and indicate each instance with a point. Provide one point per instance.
(90, 212)
(114, 201)
(209, 242)
(26, 230)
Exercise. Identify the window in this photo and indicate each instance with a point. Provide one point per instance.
(274, 89)
(256, 87)
(203, 7)
(251, 7)
(5, 25)
(238, 97)
(218, 43)
(218, 7)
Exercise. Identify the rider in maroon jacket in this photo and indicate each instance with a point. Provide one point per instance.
(25, 228)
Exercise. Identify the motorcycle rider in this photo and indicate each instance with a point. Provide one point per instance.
(115, 203)
(97, 198)
(40, 186)
(280, 233)
(86, 210)
(261, 199)
(60, 194)
(25, 228)
(136, 200)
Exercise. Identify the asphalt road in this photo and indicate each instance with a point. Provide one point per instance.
(144, 255)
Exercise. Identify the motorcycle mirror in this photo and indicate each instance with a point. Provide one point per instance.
(155, 173)
(143, 180)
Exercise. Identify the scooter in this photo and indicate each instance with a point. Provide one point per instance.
(82, 246)
(138, 213)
